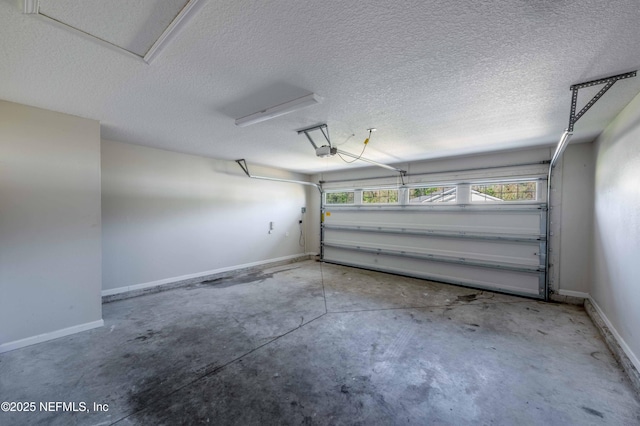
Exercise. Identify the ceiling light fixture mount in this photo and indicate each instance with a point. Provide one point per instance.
(278, 110)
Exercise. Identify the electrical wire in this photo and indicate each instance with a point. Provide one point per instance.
(345, 141)
(366, 142)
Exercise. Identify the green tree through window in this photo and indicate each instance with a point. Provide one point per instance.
(380, 196)
(339, 197)
(516, 191)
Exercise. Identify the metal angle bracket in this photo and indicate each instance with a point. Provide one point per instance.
(322, 128)
(608, 82)
(243, 165)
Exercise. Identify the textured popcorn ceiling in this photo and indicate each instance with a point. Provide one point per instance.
(436, 78)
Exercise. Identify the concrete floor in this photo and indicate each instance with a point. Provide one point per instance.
(312, 343)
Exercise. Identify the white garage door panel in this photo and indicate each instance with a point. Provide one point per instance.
(523, 221)
(518, 252)
(522, 283)
(498, 246)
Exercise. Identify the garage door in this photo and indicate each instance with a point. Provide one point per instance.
(483, 234)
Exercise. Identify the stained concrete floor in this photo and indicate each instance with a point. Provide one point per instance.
(312, 343)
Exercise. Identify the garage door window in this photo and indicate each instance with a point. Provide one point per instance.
(380, 196)
(432, 194)
(504, 191)
(343, 197)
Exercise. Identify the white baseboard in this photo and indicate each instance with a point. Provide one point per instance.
(572, 293)
(17, 344)
(627, 350)
(142, 286)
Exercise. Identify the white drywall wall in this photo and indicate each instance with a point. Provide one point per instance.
(49, 225)
(168, 216)
(616, 227)
(576, 221)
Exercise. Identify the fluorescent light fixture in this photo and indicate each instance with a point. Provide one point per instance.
(278, 110)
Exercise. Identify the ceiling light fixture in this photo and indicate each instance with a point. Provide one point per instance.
(278, 110)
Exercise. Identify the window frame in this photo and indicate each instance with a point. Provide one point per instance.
(446, 187)
(394, 203)
(463, 193)
(341, 191)
(503, 182)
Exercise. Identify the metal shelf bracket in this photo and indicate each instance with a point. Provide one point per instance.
(608, 82)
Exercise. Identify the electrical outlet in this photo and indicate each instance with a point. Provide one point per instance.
(303, 209)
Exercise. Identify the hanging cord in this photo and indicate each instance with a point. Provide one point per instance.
(366, 141)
